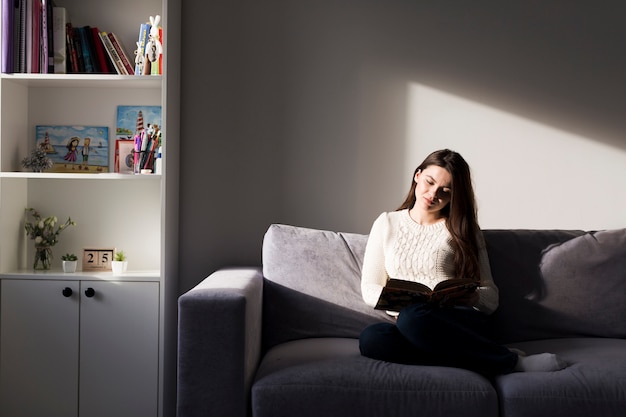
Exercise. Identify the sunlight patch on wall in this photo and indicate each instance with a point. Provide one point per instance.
(526, 174)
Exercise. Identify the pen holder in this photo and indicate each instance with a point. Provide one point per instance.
(143, 160)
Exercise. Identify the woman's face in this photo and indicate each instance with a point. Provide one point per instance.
(432, 192)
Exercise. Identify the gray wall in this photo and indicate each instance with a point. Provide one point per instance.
(295, 111)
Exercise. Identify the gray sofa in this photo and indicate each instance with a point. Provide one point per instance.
(282, 340)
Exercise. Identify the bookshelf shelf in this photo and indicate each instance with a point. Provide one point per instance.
(84, 80)
(135, 213)
(87, 177)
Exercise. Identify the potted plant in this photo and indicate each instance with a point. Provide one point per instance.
(38, 160)
(69, 262)
(45, 232)
(119, 263)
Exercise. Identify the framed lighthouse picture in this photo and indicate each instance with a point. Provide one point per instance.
(75, 149)
(132, 120)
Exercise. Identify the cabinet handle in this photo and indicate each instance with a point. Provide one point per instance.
(67, 292)
(90, 292)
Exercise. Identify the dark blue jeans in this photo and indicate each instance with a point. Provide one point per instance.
(439, 336)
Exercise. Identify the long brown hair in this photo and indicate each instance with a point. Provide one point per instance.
(460, 213)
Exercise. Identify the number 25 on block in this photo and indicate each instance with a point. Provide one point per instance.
(97, 259)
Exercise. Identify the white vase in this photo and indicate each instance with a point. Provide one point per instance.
(69, 266)
(119, 267)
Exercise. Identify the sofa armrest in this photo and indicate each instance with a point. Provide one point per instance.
(219, 343)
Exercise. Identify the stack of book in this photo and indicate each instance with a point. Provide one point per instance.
(38, 37)
(27, 36)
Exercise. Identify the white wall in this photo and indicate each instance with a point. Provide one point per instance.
(526, 174)
(314, 113)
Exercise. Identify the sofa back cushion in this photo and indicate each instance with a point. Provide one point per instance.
(313, 285)
(553, 283)
(559, 283)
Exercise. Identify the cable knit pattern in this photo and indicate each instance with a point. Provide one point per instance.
(400, 248)
(421, 253)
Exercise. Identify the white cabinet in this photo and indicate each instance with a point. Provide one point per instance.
(78, 348)
(38, 348)
(136, 213)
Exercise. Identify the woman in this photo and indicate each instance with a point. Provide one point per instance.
(434, 236)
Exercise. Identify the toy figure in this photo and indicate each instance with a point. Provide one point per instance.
(154, 48)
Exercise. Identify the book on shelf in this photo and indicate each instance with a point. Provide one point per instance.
(113, 55)
(20, 33)
(43, 33)
(26, 29)
(140, 53)
(77, 50)
(38, 37)
(85, 48)
(28, 38)
(8, 21)
(59, 22)
(49, 5)
(104, 62)
(130, 69)
(72, 54)
(398, 293)
(161, 55)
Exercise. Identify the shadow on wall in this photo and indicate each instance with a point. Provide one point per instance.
(315, 112)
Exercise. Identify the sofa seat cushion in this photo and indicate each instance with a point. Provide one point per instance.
(329, 377)
(593, 384)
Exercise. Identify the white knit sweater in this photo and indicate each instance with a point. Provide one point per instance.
(398, 247)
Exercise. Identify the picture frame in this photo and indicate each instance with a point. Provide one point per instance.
(124, 154)
(132, 119)
(75, 149)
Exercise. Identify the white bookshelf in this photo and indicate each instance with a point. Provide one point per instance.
(136, 213)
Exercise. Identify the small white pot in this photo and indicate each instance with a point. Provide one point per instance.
(69, 266)
(119, 267)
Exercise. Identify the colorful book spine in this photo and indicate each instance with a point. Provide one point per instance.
(72, 54)
(50, 35)
(85, 49)
(78, 48)
(19, 63)
(130, 69)
(59, 22)
(36, 36)
(140, 54)
(161, 56)
(7, 36)
(115, 58)
(43, 37)
(104, 63)
(28, 37)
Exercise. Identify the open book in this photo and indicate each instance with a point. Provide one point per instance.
(399, 293)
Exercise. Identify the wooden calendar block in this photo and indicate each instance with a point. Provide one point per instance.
(97, 259)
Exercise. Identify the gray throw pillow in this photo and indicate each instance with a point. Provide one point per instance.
(585, 283)
(312, 285)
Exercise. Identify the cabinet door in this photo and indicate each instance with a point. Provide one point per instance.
(119, 330)
(38, 348)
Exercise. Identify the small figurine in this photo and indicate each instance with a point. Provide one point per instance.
(154, 48)
(139, 59)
